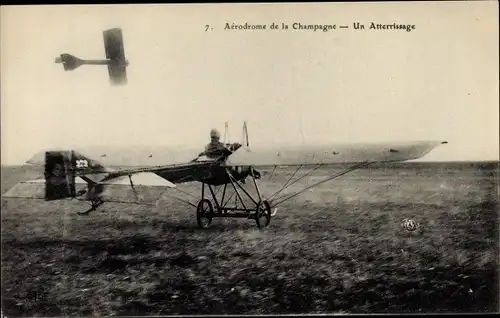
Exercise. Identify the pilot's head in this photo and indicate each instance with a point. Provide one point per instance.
(214, 135)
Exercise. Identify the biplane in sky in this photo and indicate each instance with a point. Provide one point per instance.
(229, 169)
(115, 58)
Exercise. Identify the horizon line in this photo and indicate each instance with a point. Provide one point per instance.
(416, 161)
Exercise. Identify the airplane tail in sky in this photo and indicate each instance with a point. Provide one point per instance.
(69, 61)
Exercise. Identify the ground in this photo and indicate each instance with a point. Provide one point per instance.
(340, 248)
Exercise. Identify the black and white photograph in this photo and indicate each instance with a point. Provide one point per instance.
(250, 159)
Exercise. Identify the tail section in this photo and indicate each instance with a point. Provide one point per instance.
(61, 169)
(66, 173)
(69, 61)
(59, 175)
(70, 174)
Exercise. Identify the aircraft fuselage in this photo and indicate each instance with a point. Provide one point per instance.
(206, 172)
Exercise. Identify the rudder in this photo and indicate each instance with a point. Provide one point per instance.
(69, 61)
(61, 169)
(59, 175)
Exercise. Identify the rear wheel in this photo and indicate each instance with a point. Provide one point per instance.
(204, 213)
(263, 214)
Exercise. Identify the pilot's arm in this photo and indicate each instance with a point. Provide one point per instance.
(204, 153)
(207, 149)
(234, 146)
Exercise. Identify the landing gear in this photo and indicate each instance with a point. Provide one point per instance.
(260, 210)
(255, 173)
(204, 213)
(94, 204)
(263, 214)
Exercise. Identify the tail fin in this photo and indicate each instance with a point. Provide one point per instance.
(59, 175)
(61, 169)
(69, 61)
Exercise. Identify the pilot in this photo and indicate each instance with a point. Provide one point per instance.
(215, 148)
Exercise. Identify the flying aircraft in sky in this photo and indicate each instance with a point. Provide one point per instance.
(115, 58)
(229, 167)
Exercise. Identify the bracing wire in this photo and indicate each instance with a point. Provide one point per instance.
(185, 192)
(286, 183)
(183, 201)
(295, 181)
(272, 173)
(352, 168)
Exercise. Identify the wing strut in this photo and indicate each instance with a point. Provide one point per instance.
(352, 168)
(133, 188)
(272, 172)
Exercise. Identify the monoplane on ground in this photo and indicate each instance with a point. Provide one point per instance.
(230, 168)
(65, 169)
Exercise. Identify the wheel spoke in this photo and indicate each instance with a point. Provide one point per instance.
(263, 214)
(204, 213)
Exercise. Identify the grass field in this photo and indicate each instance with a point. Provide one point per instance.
(340, 248)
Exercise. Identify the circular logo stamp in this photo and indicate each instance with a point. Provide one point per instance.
(410, 225)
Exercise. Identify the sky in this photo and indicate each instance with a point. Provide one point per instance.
(437, 82)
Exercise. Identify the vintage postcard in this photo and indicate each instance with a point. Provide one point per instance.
(250, 159)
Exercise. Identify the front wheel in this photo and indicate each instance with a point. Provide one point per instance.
(204, 213)
(263, 214)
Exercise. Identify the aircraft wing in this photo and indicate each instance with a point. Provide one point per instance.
(113, 44)
(117, 74)
(331, 154)
(148, 179)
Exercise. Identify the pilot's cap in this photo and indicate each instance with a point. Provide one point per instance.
(214, 133)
